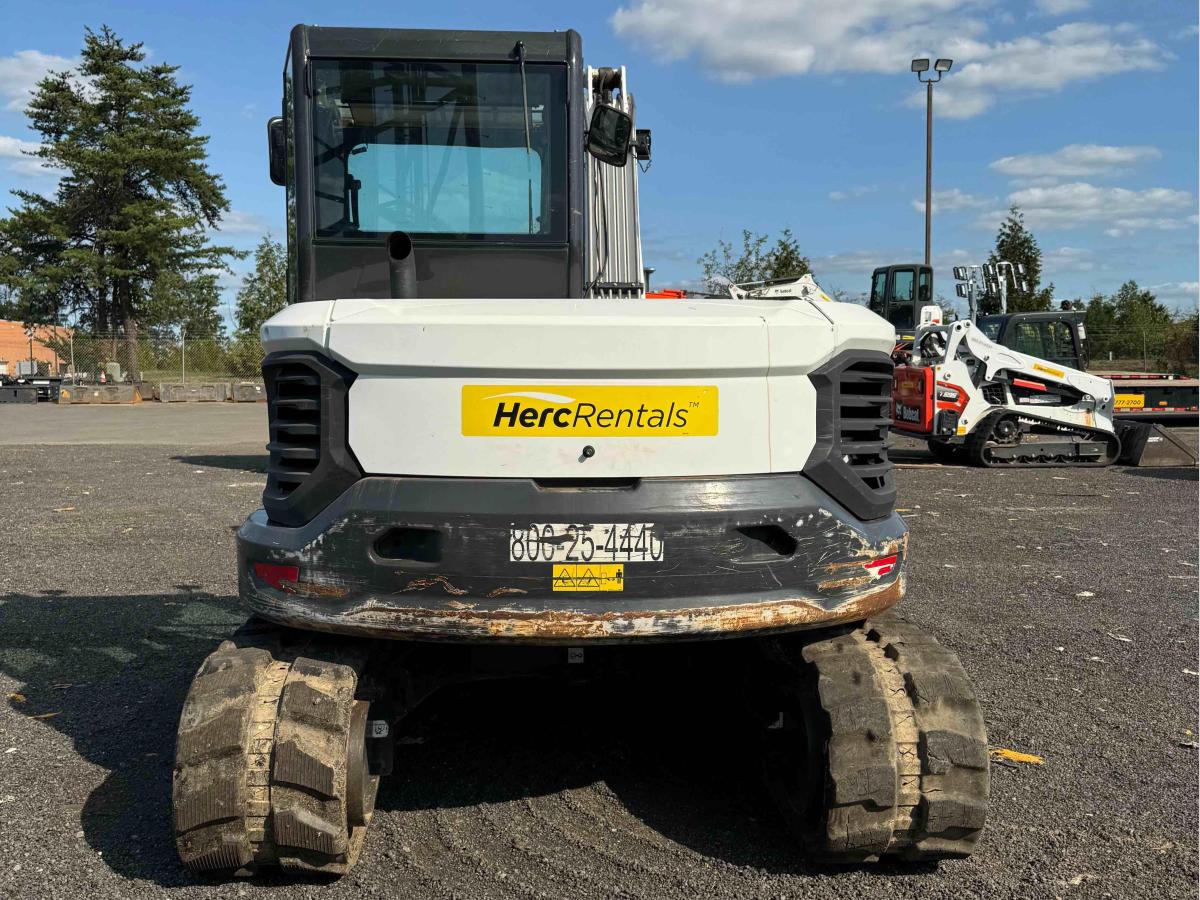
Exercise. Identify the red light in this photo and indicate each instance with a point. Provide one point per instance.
(882, 566)
(282, 578)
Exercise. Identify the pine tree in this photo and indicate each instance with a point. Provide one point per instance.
(1017, 245)
(134, 199)
(262, 294)
(264, 291)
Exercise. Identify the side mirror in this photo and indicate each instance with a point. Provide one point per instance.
(608, 135)
(277, 150)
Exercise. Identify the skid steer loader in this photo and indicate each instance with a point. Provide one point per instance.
(484, 437)
(1003, 408)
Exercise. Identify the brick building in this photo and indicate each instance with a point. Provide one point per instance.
(14, 347)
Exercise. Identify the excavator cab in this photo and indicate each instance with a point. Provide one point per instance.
(898, 292)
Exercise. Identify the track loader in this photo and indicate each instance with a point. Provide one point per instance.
(1001, 407)
(490, 456)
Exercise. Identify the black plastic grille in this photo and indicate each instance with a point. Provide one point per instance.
(864, 392)
(310, 462)
(849, 458)
(294, 407)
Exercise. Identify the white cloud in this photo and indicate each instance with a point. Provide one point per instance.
(741, 40)
(953, 200)
(1120, 210)
(239, 222)
(1183, 295)
(20, 73)
(1060, 7)
(1073, 161)
(22, 163)
(1045, 63)
(1068, 259)
(854, 192)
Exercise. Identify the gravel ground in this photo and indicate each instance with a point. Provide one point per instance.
(1070, 596)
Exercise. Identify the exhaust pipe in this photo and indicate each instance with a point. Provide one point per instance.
(402, 266)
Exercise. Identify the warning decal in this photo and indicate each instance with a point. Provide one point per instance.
(588, 577)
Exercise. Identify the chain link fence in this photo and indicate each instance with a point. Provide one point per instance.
(1169, 348)
(90, 359)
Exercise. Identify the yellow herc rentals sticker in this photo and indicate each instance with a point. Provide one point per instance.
(588, 577)
(1130, 401)
(575, 410)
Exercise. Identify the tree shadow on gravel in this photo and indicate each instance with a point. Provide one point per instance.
(114, 672)
(667, 746)
(241, 462)
(670, 748)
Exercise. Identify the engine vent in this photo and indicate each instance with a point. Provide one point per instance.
(849, 458)
(864, 397)
(310, 462)
(294, 408)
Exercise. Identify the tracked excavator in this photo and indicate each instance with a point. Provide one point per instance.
(492, 457)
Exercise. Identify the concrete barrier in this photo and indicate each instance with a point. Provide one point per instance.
(99, 393)
(18, 393)
(249, 392)
(193, 392)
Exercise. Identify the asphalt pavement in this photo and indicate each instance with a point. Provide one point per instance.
(1071, 597)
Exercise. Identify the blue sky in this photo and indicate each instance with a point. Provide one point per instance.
(766, 115)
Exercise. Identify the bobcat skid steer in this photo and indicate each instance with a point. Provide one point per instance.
(965, 393)
(485, 442)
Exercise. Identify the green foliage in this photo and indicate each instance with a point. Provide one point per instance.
(756, 261)
(264, 291)
(1182, 346)
(262, 294)
(188, 304)
(123, 241)
(1134, 327)
(1016, 244)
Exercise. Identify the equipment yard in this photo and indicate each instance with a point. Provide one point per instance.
(1070, 598)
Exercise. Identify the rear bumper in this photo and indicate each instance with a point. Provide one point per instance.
(742, 555)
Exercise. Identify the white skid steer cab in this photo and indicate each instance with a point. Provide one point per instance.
(970, 396)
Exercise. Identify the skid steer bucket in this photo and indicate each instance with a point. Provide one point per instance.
(1143, 444)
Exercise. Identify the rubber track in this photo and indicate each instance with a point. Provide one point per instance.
(977, 446)
(308, 793)
(907, 747)
(221, 784)
(261, 757)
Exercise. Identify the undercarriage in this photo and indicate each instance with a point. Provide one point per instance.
(870, 739)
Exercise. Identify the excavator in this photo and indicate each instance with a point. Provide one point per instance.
(492, 457)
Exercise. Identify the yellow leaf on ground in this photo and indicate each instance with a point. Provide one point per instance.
(46, 715)
(17, 698)
(1016, 756)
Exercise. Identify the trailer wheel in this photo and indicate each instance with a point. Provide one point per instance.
(879, 749)
(270, 765)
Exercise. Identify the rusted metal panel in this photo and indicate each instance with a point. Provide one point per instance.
(742, 555)
(461, 621)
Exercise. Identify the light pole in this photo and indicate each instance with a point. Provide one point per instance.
(921, 66)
